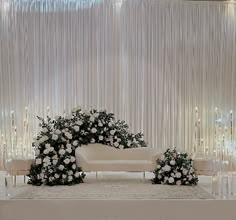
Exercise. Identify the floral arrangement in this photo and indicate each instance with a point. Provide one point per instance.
(175, 168)
(55, 145)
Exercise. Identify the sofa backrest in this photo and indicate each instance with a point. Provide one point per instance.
(105, 152)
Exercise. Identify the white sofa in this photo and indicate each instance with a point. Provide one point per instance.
(98, 157)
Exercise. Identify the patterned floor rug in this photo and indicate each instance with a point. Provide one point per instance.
(111, 189)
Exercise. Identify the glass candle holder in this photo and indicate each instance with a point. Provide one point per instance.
(215, 185)
(224, 186)
(233, 184)
(8, 184)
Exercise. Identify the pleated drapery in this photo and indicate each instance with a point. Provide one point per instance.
(168, 68)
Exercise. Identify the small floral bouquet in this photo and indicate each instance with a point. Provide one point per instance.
(175, 168)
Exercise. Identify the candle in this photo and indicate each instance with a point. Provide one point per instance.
(8, 183)
(215, 185)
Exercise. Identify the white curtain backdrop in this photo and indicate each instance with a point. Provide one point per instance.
(151, 62)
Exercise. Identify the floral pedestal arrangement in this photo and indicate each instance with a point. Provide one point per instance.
(175, 168)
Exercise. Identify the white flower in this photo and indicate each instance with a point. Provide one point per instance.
(68, 116)
(69, 150)
(79, 122)
(112, 132)
(56, 176)
(57, 117)
(72, 159)
(64, 176)
(178, 175)
(47, 145)
(70, 172)
(92, 119)
(172, 162)
(172, 174)
(92, 140)
(76, 174)
(50, 171)
(70, 178)
(190, 178)
(67, 161)
(93, 130)
(159, 176)
(129, 143)
(73, 166)
(68, 145)
(57, 131)
(185, 171)
(46, 151)
(55, 157)
(75, 143)
(116, 144)
(178, 182)
(61, 167)
(100, 124)
(76, 128)
(100, 137)
(62, 151)
(121, 147)
(109, 124)
(158, 166)
(55, 137)
(96, 115)
(68, 135)
(45, 129)
(38, 161)
(51, 149)
(54, 162)
(171, 180)
(166, 168)
(37, 152)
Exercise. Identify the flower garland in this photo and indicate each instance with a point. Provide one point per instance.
(175, 168)
(55, 162)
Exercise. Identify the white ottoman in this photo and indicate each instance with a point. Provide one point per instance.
(17, 167)
(203, 166)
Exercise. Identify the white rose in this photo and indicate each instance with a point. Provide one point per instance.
(172, 162)
(54, 137)
(112, 132)
(61, 151)
(64, 176)
(47, 145)
(185, 171)
(70, 172)
(178, 175)
(171, 180)
(38, 161)
(72, 159)
(190, 178)
(100, 137)
(158, 166)
(51, 149)
(76, 174)
(73, 166)
(109, 124)
(93, 130)
(61, 167)
(100, 124)
(69, 150)
(57, 131)
(79, 122)
(56, 176)
(50, 171)
(54, 162)
(55, 157)
(92, 119)
(46, 151)
(68, 145)
(159, 176)
(68, 135)
(70, 178)
(172, 174)
(45, 129)
(129, 143)
(166, 168)
(92, 140)
(75, 143)
(37, 152)
(116, 144)
(163, 157)
(76, 128)
(36, 143)
(178, 182)
(67, 161)
(121, 146)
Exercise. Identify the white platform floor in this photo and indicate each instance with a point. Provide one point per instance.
(11, 209)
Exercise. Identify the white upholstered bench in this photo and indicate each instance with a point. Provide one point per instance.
(17, 167)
